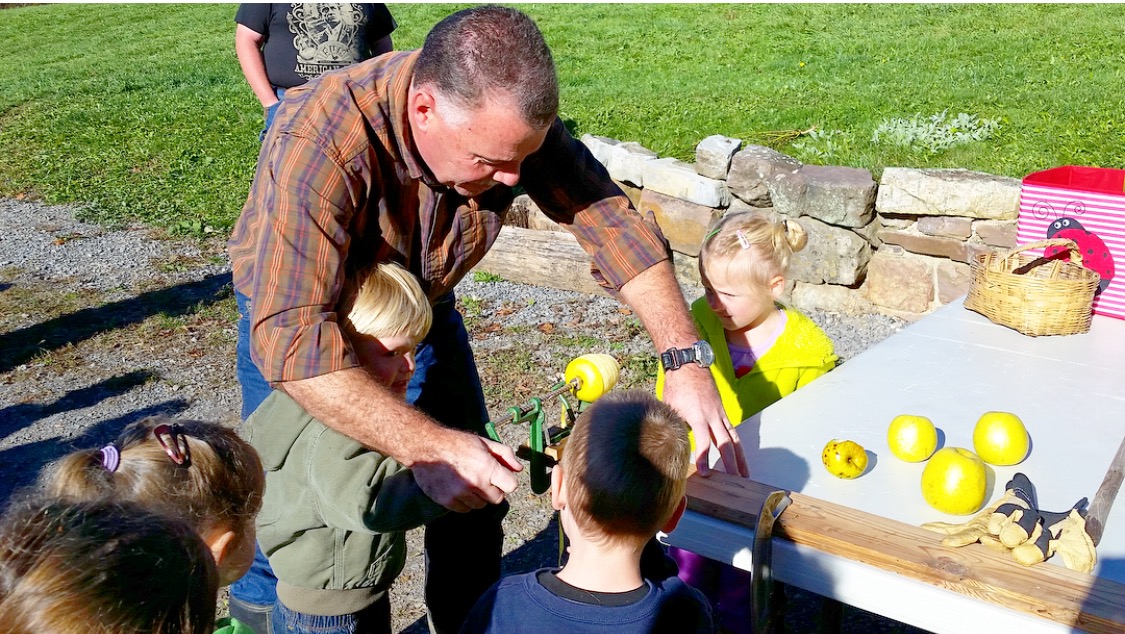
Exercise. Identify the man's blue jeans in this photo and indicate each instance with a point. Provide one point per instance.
(270, 113)
(462, 550)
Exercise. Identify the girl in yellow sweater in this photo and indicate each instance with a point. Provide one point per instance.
(763, 351)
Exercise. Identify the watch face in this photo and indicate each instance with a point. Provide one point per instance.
(703, 353)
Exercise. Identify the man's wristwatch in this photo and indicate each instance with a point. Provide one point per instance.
(700, 352)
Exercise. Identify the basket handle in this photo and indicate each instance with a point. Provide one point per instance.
(1071, 245)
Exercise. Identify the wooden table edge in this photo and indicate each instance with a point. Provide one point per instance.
(1050, 591)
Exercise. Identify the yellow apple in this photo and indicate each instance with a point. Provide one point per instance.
(844, 459)
(1000, 439)
(912, 438)
(954, 481)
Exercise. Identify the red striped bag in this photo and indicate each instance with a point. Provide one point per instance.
(1087, 205)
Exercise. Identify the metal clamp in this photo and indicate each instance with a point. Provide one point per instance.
(761, 566)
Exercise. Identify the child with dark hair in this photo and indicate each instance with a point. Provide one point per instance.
(102, 567)
(621, 479)
(199, 472)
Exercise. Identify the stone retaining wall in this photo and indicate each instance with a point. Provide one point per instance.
(899, 246)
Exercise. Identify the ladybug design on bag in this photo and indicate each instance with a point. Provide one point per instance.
(1095, 254)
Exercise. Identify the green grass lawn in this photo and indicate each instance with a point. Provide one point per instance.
(141, 110)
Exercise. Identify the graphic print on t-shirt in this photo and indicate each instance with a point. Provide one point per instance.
(326, 36)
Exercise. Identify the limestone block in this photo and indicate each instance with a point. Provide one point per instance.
(895, 222)
(830, 297)
(946, 226)
(833, 255)
(901, 283)
(737, 207)
(952, 280)
(713, 155)
(975, 249)
(686, 268)
(926, 245)
(526, 214)
(842, 196)
(624, 160)
(870, 232)
(948, 192)
(997, 233)
(752, 168)
(676, 178)
(683, 223)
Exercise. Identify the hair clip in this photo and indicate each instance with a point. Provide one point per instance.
(742, 241)
(178, 449)
(111, 458)
(712, 234)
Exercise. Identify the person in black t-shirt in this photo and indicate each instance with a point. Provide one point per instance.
(280, 46)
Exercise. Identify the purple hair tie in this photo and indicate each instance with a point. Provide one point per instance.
(111, 458)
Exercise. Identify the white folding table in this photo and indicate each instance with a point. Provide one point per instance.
(951, 366)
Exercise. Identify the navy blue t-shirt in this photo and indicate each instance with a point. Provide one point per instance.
(541, 602)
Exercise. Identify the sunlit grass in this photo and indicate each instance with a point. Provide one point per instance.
(146, 115)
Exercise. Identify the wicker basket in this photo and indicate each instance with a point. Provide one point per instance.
(1036, 296)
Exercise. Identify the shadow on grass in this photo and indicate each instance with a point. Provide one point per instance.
(20, 466)
(22, 345)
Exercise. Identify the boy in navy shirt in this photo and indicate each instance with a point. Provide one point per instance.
(621, 480)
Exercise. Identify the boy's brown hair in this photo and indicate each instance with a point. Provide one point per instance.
(221, 485)
(625, 466)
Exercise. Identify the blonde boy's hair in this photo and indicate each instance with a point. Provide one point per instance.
(385, 301)
(750, 248)
(625, 466)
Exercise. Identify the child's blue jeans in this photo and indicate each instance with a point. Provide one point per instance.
(374, 619)
(462, 550)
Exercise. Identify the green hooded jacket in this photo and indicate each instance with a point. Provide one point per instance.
(333, 519)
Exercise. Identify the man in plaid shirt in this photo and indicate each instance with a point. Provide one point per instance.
(412, 157)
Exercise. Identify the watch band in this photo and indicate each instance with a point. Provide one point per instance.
(675, 358)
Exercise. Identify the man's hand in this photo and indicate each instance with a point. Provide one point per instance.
(691, 391)
(467, 472)
(656, 298)
(459, 470)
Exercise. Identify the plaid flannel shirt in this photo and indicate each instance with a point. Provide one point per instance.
(339, 186)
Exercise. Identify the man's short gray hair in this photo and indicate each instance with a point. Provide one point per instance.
(486, 51)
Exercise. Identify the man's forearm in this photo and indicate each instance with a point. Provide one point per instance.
(354, 404)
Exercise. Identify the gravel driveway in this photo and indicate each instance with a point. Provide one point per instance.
(101, 327)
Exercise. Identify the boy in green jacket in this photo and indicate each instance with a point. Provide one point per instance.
(334, 515)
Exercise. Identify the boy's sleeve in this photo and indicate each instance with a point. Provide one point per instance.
(364, 491)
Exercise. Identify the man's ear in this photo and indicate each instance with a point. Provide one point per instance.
(558, 489)
(421, 105)
(220, 542)
(777, 286)
(670, 525)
